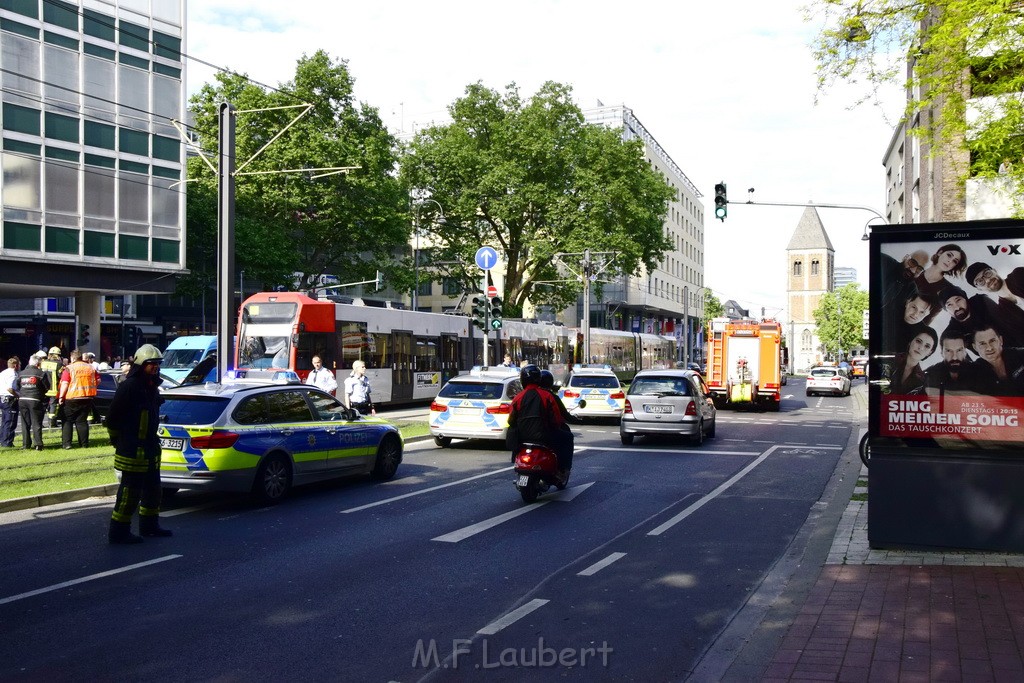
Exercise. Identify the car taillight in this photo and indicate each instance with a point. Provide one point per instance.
(771, 385)
(617, 395)
(628, 409)
(215, 440)
(500, 409)
(691, 408)
(571, 394)
(436, 407)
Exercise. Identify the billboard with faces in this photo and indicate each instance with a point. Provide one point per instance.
(947, 334)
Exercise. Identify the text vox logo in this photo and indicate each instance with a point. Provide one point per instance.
(996, 249)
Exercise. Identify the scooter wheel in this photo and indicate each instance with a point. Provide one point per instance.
(530, 491)
(563, 482)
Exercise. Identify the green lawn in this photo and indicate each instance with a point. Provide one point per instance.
(31, 473)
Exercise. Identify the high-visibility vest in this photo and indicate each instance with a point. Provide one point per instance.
(84, 381)
(53, 367)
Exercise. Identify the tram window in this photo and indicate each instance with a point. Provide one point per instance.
(355, 343)
(314, 344)
(427, 354)
(265, 352)
(378, 351)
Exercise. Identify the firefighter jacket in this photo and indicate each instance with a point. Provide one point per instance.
(52, 368)
(133, 420)
(82, 381)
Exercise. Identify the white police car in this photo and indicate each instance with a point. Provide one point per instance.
(474, 406)
(598, 386)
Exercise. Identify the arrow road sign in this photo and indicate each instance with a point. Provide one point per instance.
(486, 257)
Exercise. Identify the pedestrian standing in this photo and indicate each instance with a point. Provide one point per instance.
(322, 377)
(32, 387)
(9, 401)
(53, 366)
(132, 423)
(357, 390)
(77, 394)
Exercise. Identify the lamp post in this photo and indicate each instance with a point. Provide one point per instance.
(416, 252)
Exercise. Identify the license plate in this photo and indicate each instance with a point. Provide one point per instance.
(172, 444)
(523, 480)
(465, 411)
(658, 409)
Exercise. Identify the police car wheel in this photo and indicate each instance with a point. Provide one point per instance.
(273, 479)
(389, 455)
(442, 441)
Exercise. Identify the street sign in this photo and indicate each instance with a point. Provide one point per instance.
(486, 257)
(492, 291)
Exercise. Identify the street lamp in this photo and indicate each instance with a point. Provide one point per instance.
(416, 253)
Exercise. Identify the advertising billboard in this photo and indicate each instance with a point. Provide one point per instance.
(947, 334)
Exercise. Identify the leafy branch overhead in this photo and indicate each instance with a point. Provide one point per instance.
(532, 179)
(965, 81)
(345, 224)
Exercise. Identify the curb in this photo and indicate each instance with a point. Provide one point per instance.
(44, 499)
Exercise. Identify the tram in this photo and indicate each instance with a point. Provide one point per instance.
(409, 355)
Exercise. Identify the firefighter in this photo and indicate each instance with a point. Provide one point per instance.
(132, 423)
(53, 366)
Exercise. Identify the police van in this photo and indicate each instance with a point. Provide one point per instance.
(185, 353)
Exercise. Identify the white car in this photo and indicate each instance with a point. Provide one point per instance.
(474, 406)
(598, 387)
(668, 403)
(828, 380)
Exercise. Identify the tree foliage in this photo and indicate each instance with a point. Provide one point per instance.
(713, 308)
(531, 179)
(959, 50)
(347, 224)
(840, 318)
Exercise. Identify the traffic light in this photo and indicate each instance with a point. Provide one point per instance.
(379, 282)
(495, 313)
(480, 311)
(721, 202)
(83, 335)
(131, 339)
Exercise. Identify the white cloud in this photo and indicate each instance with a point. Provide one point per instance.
(726, 88)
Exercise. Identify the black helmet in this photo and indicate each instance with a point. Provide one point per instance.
(547, 380)
(530, 374)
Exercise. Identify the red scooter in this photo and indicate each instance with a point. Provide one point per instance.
(537, 470)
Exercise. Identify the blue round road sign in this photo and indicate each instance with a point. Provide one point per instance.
(486, 257)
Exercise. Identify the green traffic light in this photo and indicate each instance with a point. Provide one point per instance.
(496, 324)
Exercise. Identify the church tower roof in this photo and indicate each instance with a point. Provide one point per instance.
(810, 233)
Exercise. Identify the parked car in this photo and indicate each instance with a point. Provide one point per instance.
(828, 380)
(265, 438)
(592, 391)
(668, 402)
(474, 406)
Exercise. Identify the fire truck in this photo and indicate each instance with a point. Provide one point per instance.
(745, 362)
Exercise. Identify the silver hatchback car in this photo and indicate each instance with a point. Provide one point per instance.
(669, 402)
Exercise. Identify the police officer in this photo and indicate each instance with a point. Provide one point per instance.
(32, 387)
(132, 424)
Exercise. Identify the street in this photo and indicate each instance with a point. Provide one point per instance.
(440, 574)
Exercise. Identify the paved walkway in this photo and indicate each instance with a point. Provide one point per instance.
(905, 615)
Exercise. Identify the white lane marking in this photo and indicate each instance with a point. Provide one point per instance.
(474, 529)
(422, 491)
(91, 577)
(657, 531)
(512, 617)
(704, 451)
(598, 566)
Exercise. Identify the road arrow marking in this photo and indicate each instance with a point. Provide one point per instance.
(474, 529)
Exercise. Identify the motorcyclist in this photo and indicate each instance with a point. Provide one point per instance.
(536, 418)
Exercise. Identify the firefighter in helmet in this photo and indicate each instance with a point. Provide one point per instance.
(52, 366)
(132, 423)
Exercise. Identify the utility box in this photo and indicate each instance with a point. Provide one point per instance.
(946, 391)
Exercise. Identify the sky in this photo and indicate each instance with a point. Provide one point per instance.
(728, 90)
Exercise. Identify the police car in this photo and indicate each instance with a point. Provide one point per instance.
(474, 406)
(265, 438)
(598, 386)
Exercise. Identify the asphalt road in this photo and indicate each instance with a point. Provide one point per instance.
(441, 574)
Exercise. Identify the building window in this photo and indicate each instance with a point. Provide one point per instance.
(21, 236)
(166, 148)
(61, 127)
(60, 14)
(61, 240)
(99, 244)
(815, 267)
(98, 25)
(134, 142)
(806, 340)
(60, 74)
(61, 190)
(133, 36)
(21, 119)
(798, 268)
(100, 135)
(165, 251)
(136, 248)
(451, 286)
(22, 182)
(27, 8)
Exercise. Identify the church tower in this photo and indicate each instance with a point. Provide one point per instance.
(811, 272)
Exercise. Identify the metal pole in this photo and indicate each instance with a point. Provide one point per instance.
(686, 325)
(226, 242)
(416, 258)
(585, 323)
(487, 332)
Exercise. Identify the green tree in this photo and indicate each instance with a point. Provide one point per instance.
(713, 308)
(840, 319)
(531, 179)
(959, 49)
(312, 222)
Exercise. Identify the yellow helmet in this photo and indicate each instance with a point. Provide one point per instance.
(147, 353)
(54, 351)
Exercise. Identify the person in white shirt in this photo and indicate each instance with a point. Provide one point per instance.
(357, 390)
(9, 401)
(322, 377)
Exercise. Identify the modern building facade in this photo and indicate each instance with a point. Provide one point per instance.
(92, 192)
(843, 276)
(811, 274)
